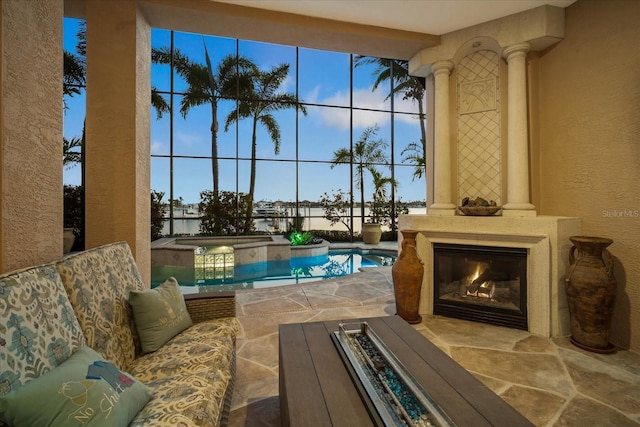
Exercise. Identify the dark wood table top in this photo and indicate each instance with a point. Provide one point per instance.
(317, 390)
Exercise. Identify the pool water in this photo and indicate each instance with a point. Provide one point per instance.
(274, 273)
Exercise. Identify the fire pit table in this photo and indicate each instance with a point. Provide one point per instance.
(320, 386)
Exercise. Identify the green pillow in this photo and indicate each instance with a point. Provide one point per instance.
(160, 314)
(84, 390)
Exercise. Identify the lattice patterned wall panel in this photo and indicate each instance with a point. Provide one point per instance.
(479, 139)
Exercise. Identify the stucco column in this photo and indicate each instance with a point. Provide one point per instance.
(31, 217)
(117, 174)
(442, 205)
(518, 201)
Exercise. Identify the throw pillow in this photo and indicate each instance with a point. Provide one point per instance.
(159, 314)
(85, 390)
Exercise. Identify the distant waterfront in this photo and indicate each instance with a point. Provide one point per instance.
(186, 221)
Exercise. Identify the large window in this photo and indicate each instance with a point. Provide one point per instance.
(262, 126)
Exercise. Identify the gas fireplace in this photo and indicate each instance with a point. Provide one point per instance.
(481, 283)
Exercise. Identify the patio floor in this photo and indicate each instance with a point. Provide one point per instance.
(550, 381)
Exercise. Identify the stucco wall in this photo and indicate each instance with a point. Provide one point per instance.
(31, 136)
(589, 139)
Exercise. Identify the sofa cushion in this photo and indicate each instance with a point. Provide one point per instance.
(184, 400)
(84, 390)
(191, 376)
(38, 330)
(205, 347)
(98, 282)
(160, 314)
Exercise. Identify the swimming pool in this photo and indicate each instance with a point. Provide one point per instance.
(273, 273)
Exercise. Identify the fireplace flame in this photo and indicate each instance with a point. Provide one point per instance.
(476, 274)
(484, 289)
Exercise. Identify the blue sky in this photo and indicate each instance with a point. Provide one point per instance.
(322, 78)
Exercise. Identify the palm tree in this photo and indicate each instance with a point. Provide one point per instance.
(381, 211)
(414, 153)
(231, 79)
(73, 81)
(411, 88)
(367, 152)
(260, 104)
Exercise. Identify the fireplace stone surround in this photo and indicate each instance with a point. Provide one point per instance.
(546, 238)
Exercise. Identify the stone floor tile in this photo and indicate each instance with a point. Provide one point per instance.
(253, 382)
(496, 385)
(538, 406)
(280, 305)
(373, 310)
(361, 294)
(263, 351)
(248, 296)
(257, 413)
(324, 287)
(265, 324)
(586, 412)
(603, 382)
(460, 332)
(534, 344)
(320, 301)
(541, 371)
(621, 359)
(332, 314)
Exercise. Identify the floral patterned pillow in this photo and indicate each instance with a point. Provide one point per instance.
(38, 330)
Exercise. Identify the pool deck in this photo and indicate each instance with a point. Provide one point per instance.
(550, 381)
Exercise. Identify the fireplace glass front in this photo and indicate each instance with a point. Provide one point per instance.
(481, 283)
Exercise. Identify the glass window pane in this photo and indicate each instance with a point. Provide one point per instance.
(192, 135)
(227, 175)
(363, 119)
(315, 179)
(160, 174)
(160, 131)
(268, 55)
(408, 145)
(161, 73)
(409, 95)
(324, 77)
(365, 74)
(322, 132)
(285, 122)
(190, 177)
(409, 188)
(226, 138)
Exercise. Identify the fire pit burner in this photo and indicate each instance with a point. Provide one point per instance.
(396, 397)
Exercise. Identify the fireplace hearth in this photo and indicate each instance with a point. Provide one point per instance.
(481, 283)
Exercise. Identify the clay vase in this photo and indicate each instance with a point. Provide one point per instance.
(371, 233)
(591, 293)
(407, 274)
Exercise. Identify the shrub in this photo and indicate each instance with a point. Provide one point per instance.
(226, 216)
(158, 212)
(74, 213)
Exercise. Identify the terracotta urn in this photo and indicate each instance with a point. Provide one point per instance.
(591, 293)
(407, 274)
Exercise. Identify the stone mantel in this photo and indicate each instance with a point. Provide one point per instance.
(545, 237)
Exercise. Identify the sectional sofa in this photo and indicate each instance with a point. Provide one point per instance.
(84, 342)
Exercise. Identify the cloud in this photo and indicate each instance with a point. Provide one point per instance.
(157, 147)
(362, 118)
(187, 139)
(312, 97)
